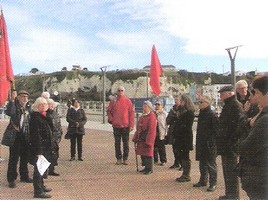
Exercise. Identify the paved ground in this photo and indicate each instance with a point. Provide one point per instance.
(97, 177)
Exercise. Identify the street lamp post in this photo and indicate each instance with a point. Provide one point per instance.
(232, 59)
(103, 69)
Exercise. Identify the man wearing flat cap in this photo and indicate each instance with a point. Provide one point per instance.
(227, 138)
(18, 110)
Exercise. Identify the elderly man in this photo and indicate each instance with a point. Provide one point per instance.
(227, 138)
(121, 115)
(242, 92)
(18, 110)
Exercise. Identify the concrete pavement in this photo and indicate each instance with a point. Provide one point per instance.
(97, 177)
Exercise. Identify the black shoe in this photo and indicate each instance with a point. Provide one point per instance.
(174, 166)
(26, 180)
(12, 184)
(147, 172)
(183, 178)
(211, 188)
(72, 159)
(199, 184)
(53, 174)
(42, 195)
(80, 159)
(227, 198)
(46, 189)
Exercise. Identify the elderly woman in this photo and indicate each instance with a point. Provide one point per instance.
(56, 128)
(144, 137)
(40, 144)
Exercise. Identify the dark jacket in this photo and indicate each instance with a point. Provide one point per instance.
(40, 137)
(183, 132)
(206, 134)
(15, 111)
(77, 120)
(55, 125)
(228, 134)
(172, 116)
(254, 150)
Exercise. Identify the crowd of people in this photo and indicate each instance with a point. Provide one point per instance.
(238, 134)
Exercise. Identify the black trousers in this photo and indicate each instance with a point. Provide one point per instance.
(229, 163)
(160, 148)
(208, 168)
(38, 181)
(177, 155)
(75, 138)
(121, 134)
(19, 151)
(147, 162)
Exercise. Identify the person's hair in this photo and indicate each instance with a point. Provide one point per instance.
(189, 105)
(261, 83)
(38, 101)
(51, 101)
(75, 100)
(241, 82)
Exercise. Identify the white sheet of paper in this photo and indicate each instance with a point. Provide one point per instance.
(42, 164)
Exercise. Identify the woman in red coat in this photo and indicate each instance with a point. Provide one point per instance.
(145, 137)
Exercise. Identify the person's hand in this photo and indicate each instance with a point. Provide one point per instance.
(13, 95)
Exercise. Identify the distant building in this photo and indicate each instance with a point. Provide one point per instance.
(76, 67)
(164, 67)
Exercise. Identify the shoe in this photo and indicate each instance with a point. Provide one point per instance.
(125, 162)
(227, 197)
(46, 189)
(80, 159)
(26, 180)
(53, 174)
(147, 172)
(42, 195)
(162, 164)
(183, 178)
(211, 188)
(174, 166)
(118, 162)
(72, 159)
(12, 184)
(199, 184)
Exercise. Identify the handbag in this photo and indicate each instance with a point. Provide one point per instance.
(9, 135)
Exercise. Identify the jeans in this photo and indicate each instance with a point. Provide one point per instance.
(121, 134)
(208, 167)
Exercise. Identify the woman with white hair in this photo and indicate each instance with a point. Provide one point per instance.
(55, 124)
(40, 144)
(144, 137)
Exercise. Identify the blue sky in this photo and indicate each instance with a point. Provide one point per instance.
(189, 34)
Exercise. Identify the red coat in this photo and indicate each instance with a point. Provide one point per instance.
(121, 113)
(146, 123)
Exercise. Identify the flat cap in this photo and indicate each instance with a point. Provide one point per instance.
(23, 92)
(227, 88)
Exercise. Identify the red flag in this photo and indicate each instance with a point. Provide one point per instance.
(6, 72)
(155, 72)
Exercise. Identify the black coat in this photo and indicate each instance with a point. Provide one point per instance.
(183, 132)
(206, 134)
(40, 137)
(228, 132)
(74, 117)
(254, 151)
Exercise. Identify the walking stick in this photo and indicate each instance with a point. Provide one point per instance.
(136, 156)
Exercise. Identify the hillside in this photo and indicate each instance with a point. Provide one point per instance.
(87, 85)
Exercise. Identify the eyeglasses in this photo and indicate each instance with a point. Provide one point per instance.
(120, 90)
(202, 102)
(157, 104)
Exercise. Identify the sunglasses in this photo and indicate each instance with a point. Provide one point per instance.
(120, 90)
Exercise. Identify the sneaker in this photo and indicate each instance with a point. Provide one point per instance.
(125, 162)
(162, 164)
(183, 178)
(118, 162)
(199, 184)
(12, 184)
(211, 188)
